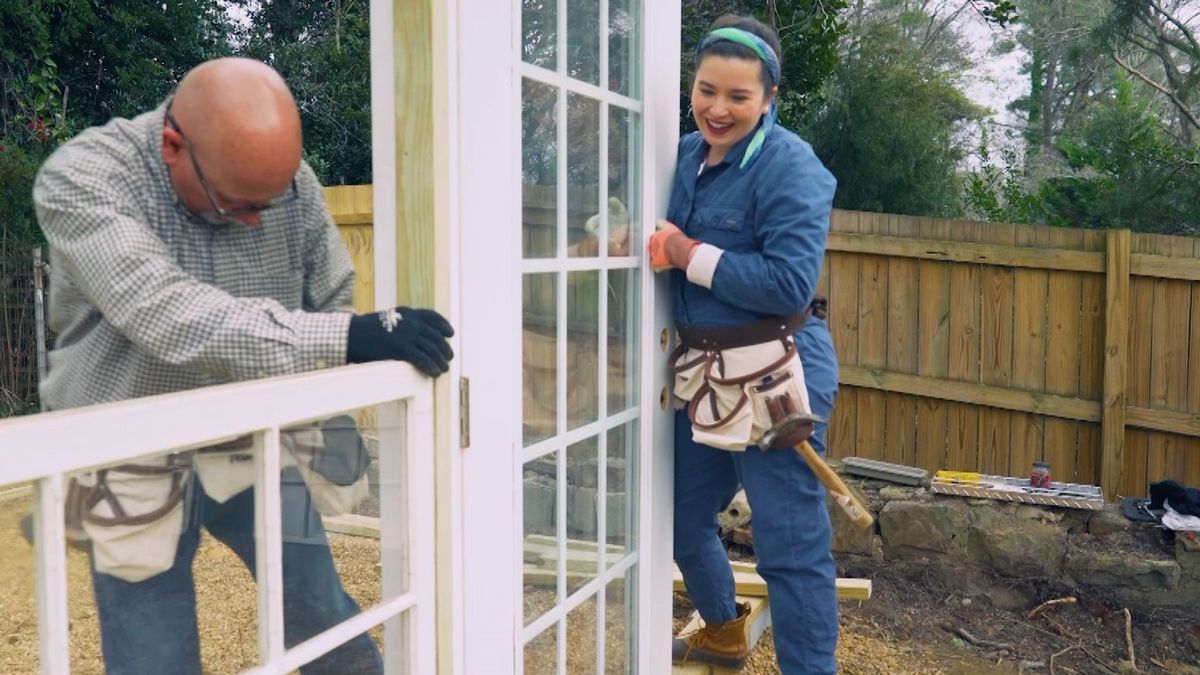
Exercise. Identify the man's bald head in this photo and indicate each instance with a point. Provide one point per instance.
(242, 123)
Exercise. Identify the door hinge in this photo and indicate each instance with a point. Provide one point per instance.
(464, 412)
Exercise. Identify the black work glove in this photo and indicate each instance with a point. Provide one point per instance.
(403, 334)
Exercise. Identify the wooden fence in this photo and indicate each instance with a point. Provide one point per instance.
(983, 346)
(352, 210)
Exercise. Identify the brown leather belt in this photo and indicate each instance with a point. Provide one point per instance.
(763, 330)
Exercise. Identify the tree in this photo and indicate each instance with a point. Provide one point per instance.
(809, 31)
(889, 122)
(322, 48)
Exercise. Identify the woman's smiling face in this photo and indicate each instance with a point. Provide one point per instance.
(728, 100)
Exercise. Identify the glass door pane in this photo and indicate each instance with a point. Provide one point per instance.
(581, 140)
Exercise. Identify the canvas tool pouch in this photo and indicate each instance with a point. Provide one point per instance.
(133, 515)
(332, 460)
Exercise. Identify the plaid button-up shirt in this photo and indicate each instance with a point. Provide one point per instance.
(146, 301)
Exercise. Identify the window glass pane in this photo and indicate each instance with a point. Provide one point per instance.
(583, 348)
(541, 653)
(583, 175)
(624, 181)
(539, 32)
(539, 357)
(622, 502)
(620, 625)
(623, 44)
(581, 638)
(539, 169)
(540, 487)
(583, 40)
(622, 340)
(583, 475)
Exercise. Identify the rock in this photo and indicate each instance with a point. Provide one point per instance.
(966, 602)
(848, 537)
(1106, 521)
(540, 500)
(892, 492)
(1112, 570)
(581, 510)
(1187, 554)
(915, 528)
(1038, 513)
(1017, 547)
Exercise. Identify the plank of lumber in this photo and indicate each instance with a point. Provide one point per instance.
(748, 583)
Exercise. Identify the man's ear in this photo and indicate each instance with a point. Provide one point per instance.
(172, 146)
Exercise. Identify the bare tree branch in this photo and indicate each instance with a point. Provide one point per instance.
(1191, 37)
(1166, 92)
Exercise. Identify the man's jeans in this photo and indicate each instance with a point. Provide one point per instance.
(791, 537)
(150, 626)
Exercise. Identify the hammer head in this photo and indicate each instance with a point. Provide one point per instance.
(789, 430)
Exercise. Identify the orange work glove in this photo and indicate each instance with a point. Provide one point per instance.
(670, 247)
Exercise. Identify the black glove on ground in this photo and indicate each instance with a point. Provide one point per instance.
(403, 334)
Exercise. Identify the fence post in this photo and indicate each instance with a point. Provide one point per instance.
(1116, 356)
(39, 314)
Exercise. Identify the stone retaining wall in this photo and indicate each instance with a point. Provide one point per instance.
(1015, 554)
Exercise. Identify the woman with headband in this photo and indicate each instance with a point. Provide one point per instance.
(745, 238)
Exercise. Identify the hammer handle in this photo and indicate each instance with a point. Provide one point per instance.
(833, 483)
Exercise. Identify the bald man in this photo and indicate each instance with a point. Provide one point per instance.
(190, 246)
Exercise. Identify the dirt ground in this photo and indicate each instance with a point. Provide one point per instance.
(901, 630)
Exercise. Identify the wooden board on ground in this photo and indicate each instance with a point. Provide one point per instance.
(756, 625)
(748, 583)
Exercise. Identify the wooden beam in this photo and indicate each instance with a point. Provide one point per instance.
(1170, 421)
(970, 392)
(1116, 349)
(968, 252)
(1163, 267)
(748, 583)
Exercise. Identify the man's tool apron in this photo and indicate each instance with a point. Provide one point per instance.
(735, 381)
(133, 514)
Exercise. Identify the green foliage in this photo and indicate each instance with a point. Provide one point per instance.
(887, 129)
(809, 31)
(322, 48)
(1127, 172)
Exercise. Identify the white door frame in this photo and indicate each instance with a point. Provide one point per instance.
(477, 93)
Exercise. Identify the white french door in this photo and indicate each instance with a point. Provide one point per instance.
(565, 116)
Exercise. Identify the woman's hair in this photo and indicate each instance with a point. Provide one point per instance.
(735, 50)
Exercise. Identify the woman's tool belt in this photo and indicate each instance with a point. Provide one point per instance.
(731, 386)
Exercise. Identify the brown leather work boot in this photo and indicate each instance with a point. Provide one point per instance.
(722, 644)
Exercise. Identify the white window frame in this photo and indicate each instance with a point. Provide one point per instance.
(55, 445)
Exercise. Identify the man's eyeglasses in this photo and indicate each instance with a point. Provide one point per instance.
(234, 214)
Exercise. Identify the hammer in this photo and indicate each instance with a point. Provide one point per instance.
(791, 428)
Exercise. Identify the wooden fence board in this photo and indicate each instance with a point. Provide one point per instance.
(871, 404)
(1063, 351)
(996, 351)
(1029, 352)
(933, 347)
(962, 419)
(1091, 362)
(901, 409)
(843, 291)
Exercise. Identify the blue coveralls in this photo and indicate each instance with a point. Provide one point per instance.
(771, 218)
